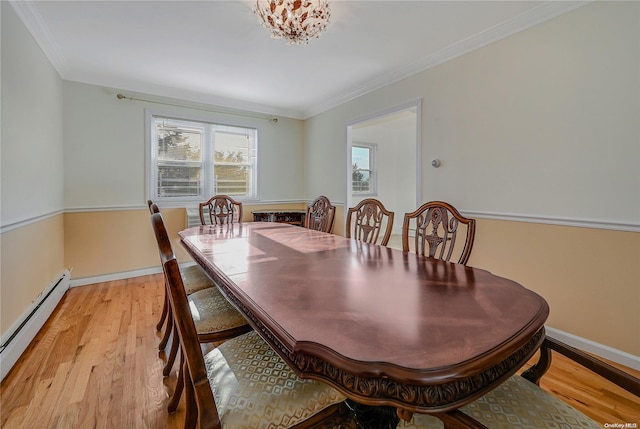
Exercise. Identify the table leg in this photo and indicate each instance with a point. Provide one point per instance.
(370, 417)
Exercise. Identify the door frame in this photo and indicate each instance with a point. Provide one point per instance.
(415, 104)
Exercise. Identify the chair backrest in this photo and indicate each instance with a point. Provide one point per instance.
(200, 402)
(320, 215)
(153, 207)
(367, 219)
(436, 231)
(220, 210)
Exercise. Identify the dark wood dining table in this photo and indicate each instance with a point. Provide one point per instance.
(391, 330)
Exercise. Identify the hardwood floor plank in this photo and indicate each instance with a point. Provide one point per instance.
(45, 402)
(15, 417)
(596, 397)
(95, 364)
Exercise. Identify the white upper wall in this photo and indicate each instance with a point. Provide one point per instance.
(543, 123)
(31, 152)
(104, 148)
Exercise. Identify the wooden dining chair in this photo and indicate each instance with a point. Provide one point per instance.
(320, 215)
(367, 219)
(242, 383)
(214, 317)
(520, 403)
(436, 229)
(220, 210)
(193, 278)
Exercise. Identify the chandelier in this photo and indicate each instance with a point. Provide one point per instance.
(296, 21)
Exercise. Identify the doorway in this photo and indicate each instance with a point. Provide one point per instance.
(383, 161)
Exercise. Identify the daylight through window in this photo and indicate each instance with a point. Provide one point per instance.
(196, 160)
(363, 180)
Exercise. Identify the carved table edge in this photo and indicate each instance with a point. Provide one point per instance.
(384, 391)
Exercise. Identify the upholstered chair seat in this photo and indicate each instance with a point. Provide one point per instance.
(212, 314)
(195, 279)
(215, 318)
(254, 388)
(515, 404)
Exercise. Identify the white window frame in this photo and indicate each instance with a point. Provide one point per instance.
(373, 168)
(208, 189)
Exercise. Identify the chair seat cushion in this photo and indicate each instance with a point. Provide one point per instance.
(195, 279)
(254, 387)
(213, 313)
(516, 403)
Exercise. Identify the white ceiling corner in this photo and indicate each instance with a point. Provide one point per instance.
(34, 22)
(217, 53)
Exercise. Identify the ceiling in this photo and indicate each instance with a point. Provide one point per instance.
(216, 52)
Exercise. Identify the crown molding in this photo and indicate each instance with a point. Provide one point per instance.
(546, 11)
(28, 13)
(172, 95)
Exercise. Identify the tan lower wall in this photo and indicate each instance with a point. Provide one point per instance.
(338, 223)
(108, 242)
(589, 277)
(99, 243)
(32, 258)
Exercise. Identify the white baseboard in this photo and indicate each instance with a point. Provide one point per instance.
(121, 276)
(21, 334)
(115, 276)
(606, 352)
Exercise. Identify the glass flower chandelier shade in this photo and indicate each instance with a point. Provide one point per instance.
(296, 21)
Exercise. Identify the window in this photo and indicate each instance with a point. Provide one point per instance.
(363, 179)
(192, 161)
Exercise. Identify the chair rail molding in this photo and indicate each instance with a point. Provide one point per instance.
(25, 222)
(552, 220)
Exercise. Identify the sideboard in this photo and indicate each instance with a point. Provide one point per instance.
(293, 217)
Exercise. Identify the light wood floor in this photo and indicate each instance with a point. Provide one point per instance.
(95, 364)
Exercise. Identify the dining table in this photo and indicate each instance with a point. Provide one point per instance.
(397, 333)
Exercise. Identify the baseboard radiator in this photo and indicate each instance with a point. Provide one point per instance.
(16, 340)
(193, 217)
